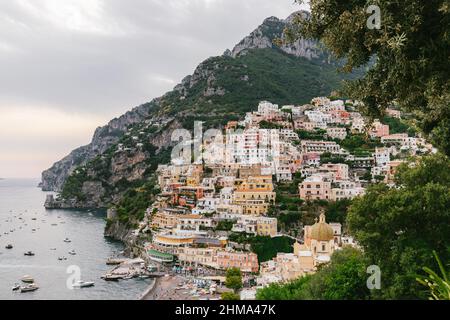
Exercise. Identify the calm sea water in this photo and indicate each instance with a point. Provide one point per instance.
(26, 225)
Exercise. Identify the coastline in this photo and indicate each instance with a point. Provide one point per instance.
(176, 287)
(147, 294)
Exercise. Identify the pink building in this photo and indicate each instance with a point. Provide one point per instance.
(245, 261)
(339, 170)
(316, 187)
(379, 130)
(311, 159)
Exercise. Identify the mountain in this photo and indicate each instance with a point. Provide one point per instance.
(124, 153)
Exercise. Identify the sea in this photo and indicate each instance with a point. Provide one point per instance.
(28, 226)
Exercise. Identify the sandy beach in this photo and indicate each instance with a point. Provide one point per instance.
(171, 288)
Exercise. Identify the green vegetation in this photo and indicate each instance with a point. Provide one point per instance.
(399, 228)
(410, 51)
(267, 248)
(317, 134)
(234, 279)
(337, 211)
(135, 202)
(331, 158)
(225, 225)
(230, 296)
(344, 278)
(269, 125)
(398, 126)
(359, 144)
(74, 184)
(439, 286)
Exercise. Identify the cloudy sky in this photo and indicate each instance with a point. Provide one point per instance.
(69, 66)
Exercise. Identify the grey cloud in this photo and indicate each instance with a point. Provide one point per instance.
(125, 54)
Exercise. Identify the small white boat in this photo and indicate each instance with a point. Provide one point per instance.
(16, 287)
(29, 253)
(67, 240)
(62, 258)
(27, 279)
(72, 252)
(9, 246)
(83, 284)
(29, 288)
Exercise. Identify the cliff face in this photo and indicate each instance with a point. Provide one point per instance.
(104, 137)
(272, 29)
(125, 153)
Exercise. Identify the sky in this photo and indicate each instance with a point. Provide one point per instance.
(69, 66)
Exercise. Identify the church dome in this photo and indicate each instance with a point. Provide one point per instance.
(322, 231)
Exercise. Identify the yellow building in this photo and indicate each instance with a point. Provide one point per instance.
(266, 227)
(165, 220)
(255, 188)
(198, 256)
(253, 207)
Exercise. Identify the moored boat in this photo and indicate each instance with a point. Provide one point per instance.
(83, 284)
(27, 279)
(29, 288)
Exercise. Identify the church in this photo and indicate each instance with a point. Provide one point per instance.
(320, 242)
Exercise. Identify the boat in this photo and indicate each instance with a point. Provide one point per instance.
(29, 253)
(67, 240)
(27, 279)
(16, 287)
(110, 277)
(9, 246)
(72, 252)
(62, 258)
(29, 288)
(115, 261)
(83, 284)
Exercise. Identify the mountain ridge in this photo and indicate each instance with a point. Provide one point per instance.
(221, 88)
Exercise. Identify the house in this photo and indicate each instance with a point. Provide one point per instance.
(337, 133)
(378, 130)
(320, 147)
(245, 261)
(316, 187)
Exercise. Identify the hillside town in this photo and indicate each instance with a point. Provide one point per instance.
(205, 203)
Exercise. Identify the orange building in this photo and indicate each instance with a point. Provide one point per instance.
(245, 261)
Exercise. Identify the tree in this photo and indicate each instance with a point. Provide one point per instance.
(230, 296)
(234, 279)
(439, 286)
(344, 278)
(398, 228)
(408, 56)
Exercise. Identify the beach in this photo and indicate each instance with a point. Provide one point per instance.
(175, 287)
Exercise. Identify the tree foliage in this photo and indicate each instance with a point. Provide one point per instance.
(408, 56)
(234, 279)
(439, 286)
(400, 227)
(344, 278)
